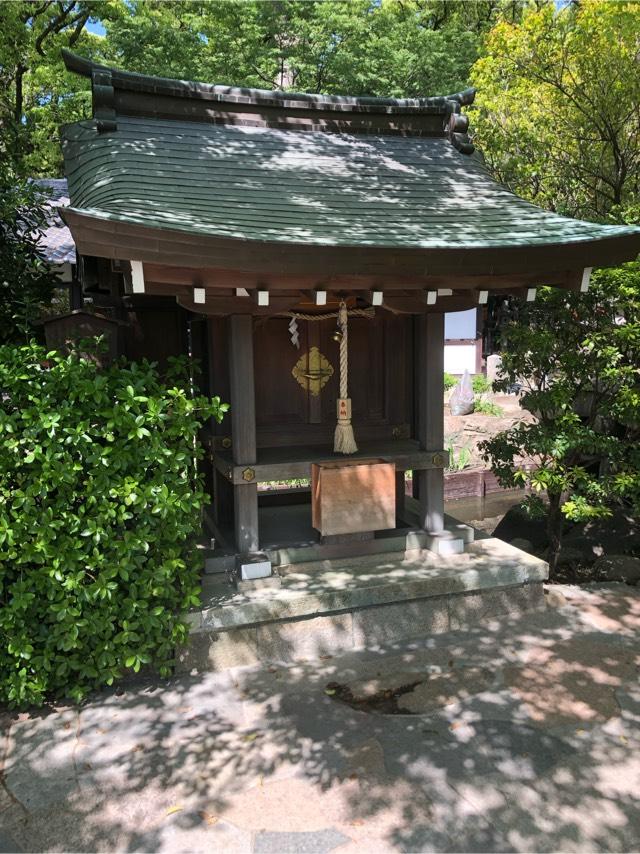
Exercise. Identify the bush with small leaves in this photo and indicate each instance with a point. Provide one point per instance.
(449, 381)
(487, 407)
(480, 384)
(100, 501)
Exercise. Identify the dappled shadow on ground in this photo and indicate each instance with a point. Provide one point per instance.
(523, 736)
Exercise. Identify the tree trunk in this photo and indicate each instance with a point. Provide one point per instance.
(555, 522)
(19, 101)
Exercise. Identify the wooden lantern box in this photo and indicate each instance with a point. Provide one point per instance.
(353, 497)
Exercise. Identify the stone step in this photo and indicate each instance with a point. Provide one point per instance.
(333, 606)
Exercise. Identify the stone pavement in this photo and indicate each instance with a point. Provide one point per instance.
(519, 735)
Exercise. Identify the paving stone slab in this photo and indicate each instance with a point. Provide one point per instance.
(304, 842)
(40, 767)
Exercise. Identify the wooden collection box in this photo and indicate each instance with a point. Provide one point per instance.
(353, 497)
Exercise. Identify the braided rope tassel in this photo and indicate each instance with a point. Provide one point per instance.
(344, 440)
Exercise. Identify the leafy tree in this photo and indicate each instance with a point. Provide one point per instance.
(577, 356)
(414, 47)
(26, 280)
(99, 504)
(37, 95)
(558, 107)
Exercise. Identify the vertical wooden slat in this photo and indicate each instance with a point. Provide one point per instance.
(243, 425)
(431, 417)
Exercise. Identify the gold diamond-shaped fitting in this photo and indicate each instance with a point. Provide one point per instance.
(437, 460)
(248, 474)
(313, 371)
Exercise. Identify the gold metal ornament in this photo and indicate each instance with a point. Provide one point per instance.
(248, 474)
(313, 371)
(438, 460)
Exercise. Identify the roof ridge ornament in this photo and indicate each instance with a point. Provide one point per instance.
(104, 106)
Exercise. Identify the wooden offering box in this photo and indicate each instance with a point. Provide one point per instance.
(353, 497)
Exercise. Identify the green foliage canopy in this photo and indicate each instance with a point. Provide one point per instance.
(578, 359)
(26, 280)
(558, 107)
(99, 502)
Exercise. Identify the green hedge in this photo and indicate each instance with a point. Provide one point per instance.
(99, 505)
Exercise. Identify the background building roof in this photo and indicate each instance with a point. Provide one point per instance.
(57, 242)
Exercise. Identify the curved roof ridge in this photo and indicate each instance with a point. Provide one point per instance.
(135, 81)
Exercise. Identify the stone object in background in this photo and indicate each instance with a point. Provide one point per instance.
(615, 534)
(517, 524)
(618, 568)
(554, 598)
(522, 543)
(494, 363)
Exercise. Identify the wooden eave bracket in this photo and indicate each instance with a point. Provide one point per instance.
(137, 277)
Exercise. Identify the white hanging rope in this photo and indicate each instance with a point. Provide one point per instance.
(344, 440)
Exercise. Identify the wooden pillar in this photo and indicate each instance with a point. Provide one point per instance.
(431, 417)
(400, 495)
(243, 426)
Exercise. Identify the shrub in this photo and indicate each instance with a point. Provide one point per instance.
(460, 461)
(487, 407)
(480, 384)
(449, 381)
(99, 503)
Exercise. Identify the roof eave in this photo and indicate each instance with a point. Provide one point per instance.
(126, 241)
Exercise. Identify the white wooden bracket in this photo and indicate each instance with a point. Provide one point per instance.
(199, 295)
(531, 294)
(586, 280)
(483, 296)
(137, 277)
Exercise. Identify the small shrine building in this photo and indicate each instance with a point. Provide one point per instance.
(306, 248)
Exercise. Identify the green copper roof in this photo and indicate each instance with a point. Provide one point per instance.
(286, 186)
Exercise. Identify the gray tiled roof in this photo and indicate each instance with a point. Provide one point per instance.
(283, 186)
(57, 243)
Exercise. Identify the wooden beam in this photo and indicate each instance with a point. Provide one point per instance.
(237, 305)
(431, 417)
(216, 279)
(243, 426)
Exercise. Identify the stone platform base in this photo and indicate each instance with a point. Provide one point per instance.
(332, 606)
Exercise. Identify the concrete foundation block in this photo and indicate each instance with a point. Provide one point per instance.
(470, 608)
(445, 544)
(391, 623)
(305, 638)
(214, 651)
